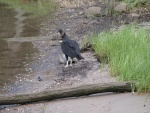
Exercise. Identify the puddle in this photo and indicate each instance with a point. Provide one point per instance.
(7, 22)
(30, 61)
(18, 59)
(14, 58)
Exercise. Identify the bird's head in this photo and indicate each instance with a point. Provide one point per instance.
(61, 32)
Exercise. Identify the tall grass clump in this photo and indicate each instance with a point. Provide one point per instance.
(37, 7)
(128, 54)
(135, 3)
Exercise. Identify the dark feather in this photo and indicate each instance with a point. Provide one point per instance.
(70, 47)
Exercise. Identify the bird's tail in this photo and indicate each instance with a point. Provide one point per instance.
(80, 57)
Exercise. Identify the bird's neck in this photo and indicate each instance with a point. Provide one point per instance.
(64, 36)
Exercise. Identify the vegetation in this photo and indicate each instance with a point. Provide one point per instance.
(128, 54)
(37, 7)
(135, 3)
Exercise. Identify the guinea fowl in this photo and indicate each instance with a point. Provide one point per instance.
(70, 48)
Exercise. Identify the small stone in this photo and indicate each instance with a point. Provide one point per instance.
(92, 11)
(135, 15)
(40, 79)
(62, 59)
(122, 7)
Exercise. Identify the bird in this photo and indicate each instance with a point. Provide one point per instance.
(70, 48)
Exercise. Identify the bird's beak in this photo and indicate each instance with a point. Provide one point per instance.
(62, 33)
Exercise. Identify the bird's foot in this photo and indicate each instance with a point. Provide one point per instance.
(66, 65)
(70, 65)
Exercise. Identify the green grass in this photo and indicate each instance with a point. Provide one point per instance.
(135, 3)
(128, 54)
(39, 8)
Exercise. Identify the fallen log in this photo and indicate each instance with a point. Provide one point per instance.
(50, 94)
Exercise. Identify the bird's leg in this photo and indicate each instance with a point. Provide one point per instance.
(71, 61)
(67, 61)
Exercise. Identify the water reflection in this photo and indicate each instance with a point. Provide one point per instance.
(7, 21)
(24, 56)
(15, 56)
(14, 60)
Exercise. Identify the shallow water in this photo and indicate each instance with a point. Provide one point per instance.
(16, 56)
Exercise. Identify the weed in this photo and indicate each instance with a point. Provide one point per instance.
(136, 3)
(128, 53)
(38, 8)
(85, 45)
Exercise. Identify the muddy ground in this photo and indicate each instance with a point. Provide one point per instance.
(53, 74)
